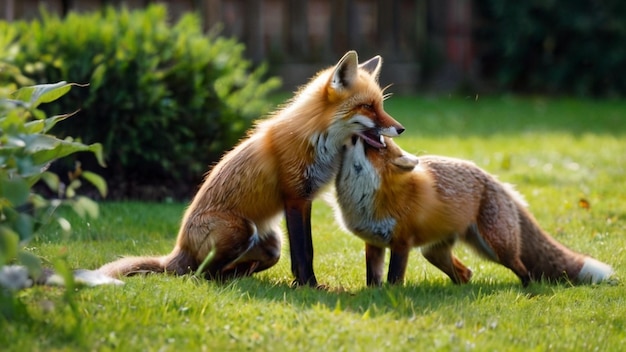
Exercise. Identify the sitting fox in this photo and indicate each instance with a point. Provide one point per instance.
(392, 199)
(279, 168)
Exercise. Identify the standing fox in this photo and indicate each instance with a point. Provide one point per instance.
(280, 166)
(393, 199)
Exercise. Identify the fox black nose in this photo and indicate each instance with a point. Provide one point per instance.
(400, 130)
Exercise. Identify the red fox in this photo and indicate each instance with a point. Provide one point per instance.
(279, 167)
(392, 199)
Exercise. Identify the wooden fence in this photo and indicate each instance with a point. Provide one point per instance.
(417, 38)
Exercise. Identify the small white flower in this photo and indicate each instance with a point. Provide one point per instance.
(14, 277)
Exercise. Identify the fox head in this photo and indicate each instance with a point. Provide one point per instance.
(355, 91)
(389, 159)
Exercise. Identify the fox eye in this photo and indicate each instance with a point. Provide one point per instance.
(369, 107)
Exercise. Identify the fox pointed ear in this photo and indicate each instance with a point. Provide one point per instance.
(345, 72)
(406, 162)
(372, 66)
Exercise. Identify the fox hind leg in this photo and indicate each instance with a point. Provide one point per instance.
(267, 251)
(262, 253)
(440, 255)
(228, 242)
(499, 239)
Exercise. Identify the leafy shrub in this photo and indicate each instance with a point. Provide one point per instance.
(164, 100)
(26, 151)
(574, 47)
(11, 76)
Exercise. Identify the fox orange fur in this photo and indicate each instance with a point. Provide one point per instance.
(392, 199)
(278, 168)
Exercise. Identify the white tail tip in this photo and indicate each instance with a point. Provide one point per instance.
(594, 271)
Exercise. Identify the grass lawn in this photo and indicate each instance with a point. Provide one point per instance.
(561, 154)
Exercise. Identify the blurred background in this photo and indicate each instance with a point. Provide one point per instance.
(175, 83)
(564, 47)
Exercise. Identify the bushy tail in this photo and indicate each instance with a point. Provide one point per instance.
(177, 262)
(546, 258)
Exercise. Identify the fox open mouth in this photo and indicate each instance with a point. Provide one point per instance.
(373, 138)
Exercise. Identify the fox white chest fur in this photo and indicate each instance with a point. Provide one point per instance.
(325, 164)
(357, 184)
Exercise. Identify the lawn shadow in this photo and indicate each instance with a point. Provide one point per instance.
(399, 300)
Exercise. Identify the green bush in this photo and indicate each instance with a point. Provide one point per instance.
(26, 152)
(164, 100)
(573, 47)
(11, 77)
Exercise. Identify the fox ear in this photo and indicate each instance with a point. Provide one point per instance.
(345, 72)
(406, 162)
(372, 66)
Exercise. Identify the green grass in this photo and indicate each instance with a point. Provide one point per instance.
(557, 152)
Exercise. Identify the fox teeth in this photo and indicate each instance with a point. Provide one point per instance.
(382, 140)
